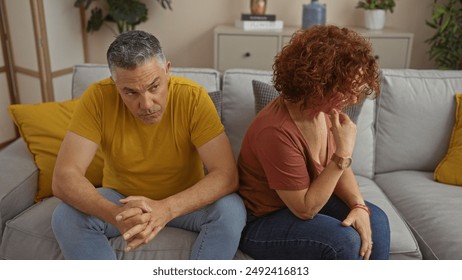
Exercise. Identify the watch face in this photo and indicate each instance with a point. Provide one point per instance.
(345, 163)
(342, 163)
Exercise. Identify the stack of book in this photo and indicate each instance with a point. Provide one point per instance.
(250, 22)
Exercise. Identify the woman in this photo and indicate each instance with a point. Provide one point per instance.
(301, 195)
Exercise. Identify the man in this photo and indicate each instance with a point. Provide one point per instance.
(156, 133)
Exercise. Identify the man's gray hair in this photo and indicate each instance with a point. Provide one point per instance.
(132, 49)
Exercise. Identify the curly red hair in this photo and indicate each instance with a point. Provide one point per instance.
(326, 67)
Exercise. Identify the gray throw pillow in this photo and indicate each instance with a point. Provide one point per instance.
(217, 98)
(354, 110)
(265, 93)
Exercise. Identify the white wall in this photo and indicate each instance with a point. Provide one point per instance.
(53, 44)
(186, 33)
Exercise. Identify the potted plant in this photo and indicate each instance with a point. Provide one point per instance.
(126, 14)
(374, 14)
(445, 44)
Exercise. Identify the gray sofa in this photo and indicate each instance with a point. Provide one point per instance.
(401, 138)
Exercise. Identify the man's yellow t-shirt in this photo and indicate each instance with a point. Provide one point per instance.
(157, 160)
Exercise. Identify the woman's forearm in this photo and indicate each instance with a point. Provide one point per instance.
(347, 189)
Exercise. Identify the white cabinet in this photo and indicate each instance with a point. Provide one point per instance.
(242, 51)
(235, 48)
(391, 48)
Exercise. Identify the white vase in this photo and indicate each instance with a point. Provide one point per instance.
(374, 19)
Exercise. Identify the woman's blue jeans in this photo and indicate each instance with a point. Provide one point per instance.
(219, 225)
(281, 235)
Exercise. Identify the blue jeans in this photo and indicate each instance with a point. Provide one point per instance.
(281, 235)
(219, 225)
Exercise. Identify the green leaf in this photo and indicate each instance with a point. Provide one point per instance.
(96, 20)
(386, 5)
(445, 44)
(126, 14)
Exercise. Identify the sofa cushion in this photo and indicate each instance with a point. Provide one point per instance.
(364, 151)
(208, 78)
(217, 98)
(432, 209)
(354, 110)
(30, 236)
(18, 181)
(43, 127)
(415, 106)
(239, 111)
(449, 170)
(86, 74)
(403, 245)
(239, 103)
(263, 93)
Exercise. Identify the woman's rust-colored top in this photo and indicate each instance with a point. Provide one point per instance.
(275, 156)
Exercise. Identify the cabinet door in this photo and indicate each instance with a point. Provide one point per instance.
(391, 52)
(244, 51)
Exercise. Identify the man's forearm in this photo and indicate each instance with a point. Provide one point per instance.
(206, 191)
(78, 192)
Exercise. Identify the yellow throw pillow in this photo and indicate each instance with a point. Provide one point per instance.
(449, 169)
(43, 127)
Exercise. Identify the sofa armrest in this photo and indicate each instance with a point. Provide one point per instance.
(18, 181)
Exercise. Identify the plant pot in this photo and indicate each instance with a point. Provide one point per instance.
(374, 19)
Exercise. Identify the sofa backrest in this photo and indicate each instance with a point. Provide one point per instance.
(85, 74)
(238, 111)
(238, 108)
(415, 116)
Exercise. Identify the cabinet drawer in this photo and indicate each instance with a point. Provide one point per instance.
(391, 52)
(244, 51)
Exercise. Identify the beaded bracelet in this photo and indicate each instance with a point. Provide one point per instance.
(362, 206)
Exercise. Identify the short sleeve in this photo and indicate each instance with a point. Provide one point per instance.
(86, 120)
(282, 158)
(205, 121)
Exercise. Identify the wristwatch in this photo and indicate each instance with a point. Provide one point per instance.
(342, 162)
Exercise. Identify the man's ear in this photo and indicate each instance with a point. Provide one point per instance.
(167, 67)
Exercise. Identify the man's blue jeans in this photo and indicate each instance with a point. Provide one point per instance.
(219, 225)
(281, 235)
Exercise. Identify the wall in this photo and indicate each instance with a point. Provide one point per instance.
(7, 131)
(186, 33)
(41, 42)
